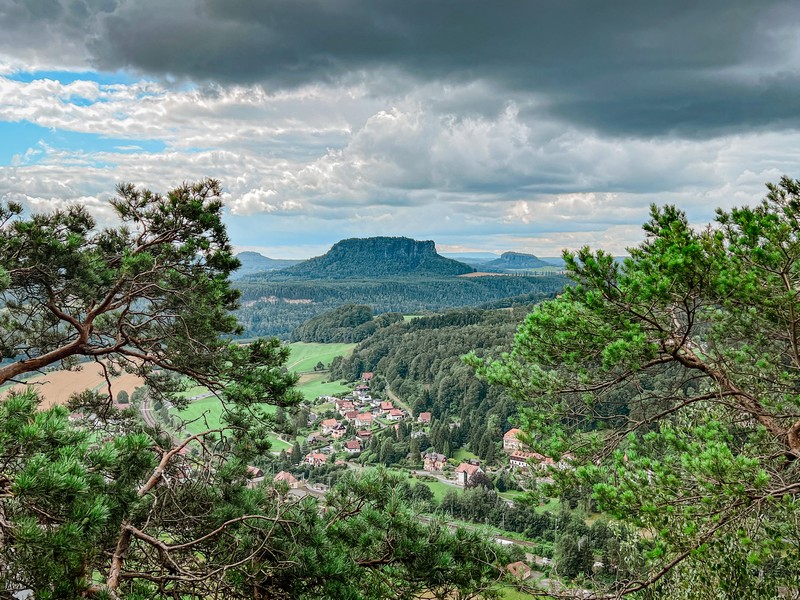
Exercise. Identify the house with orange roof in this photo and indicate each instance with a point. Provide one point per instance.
(511, 441)
(466, 470)
(288, 478)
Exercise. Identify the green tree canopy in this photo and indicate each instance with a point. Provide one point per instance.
(148, 296)
(673, 380)
(109, 507)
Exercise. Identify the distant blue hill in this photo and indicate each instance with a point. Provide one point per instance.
(253, 263)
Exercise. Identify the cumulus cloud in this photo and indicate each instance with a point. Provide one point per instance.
(625, 67)
(534, 123)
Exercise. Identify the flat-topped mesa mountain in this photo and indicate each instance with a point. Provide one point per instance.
(515, 261)
(253, 262)
(375, 257)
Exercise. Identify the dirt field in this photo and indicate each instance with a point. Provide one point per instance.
(58, 386)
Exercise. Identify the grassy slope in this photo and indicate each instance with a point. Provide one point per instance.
(205, 413)
(305, 356)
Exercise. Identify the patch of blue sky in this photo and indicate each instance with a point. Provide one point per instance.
(17, 138)
(67, 77)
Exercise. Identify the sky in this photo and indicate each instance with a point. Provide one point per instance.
(525, 125)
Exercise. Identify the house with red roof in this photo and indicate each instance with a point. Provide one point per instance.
(344, 406)
(315, 459)
(466, 470)
(288, 478)
(511, 441)
(519, 570)
(367, 376)
(329, 425)
(364, 420)
(395, 415)
(352, 446)
(424, 417)
(520, 459)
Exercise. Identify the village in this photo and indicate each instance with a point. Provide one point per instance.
(350, 426)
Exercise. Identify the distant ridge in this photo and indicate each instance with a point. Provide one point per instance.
(376, 257)
(253, 263)
(516, 260)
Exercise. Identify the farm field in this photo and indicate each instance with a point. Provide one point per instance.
(205, 412)
(305, 355)
(313, 385)
(57, 386)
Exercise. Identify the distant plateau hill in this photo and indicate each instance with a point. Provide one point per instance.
(384, 274)
(375, 257)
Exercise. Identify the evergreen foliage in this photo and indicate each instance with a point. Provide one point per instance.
(673, 381)
(347, 324)
(108, 507)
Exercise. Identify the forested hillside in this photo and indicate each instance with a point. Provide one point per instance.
(420, 361)
(277, 307)
(515, 261)
(346, 324)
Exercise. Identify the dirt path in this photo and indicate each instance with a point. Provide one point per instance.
(397, 402)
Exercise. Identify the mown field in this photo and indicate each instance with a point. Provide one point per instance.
(204, 413)
(305, 356)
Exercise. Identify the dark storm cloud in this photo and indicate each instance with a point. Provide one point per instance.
(626, 67)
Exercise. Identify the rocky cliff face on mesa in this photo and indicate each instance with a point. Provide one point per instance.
(516, 260)
(357, 258)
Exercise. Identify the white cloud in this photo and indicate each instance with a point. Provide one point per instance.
(443, 161)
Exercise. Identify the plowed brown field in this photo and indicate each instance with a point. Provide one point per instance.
(58, 386)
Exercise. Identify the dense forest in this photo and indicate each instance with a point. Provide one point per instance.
(420, 362)
(347, 324)
(278, 307)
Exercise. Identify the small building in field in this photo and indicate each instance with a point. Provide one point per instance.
(519, 570)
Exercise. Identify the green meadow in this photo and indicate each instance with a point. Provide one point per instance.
(205, 413)
(305, 356)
